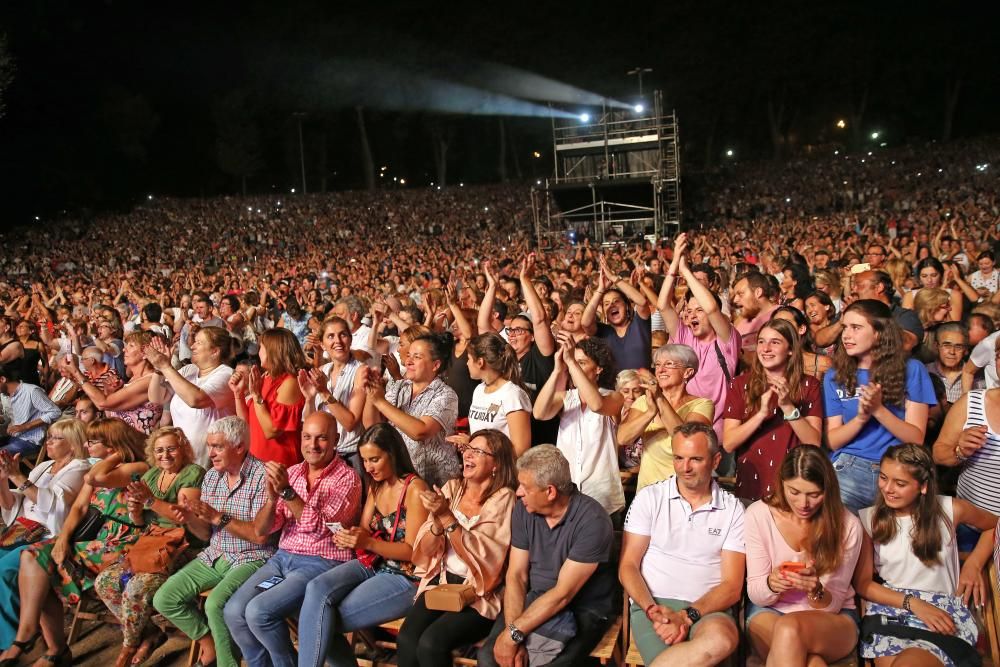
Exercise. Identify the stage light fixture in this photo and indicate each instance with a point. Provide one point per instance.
(585, 118)
(639, 108)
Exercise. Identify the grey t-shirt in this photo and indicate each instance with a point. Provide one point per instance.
(584, 535)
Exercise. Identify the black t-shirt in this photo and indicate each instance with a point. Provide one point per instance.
(459, 379)
(535, 371)
(584, 535)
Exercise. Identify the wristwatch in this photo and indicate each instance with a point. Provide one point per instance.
(224, 520)
(516, 635)
(793, 415)
(692, 614)
(288, 493)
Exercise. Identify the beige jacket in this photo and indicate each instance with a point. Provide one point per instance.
(483, 547)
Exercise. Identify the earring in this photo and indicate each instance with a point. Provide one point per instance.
(494, 473)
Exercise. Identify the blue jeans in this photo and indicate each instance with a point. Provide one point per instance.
(858, 479)
(16, 445)
(256, 618)
(347, 598)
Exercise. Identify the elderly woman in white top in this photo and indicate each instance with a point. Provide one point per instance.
(198, 394)
(589, 417)
(36, 507)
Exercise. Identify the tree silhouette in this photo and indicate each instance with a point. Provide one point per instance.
(7, 69)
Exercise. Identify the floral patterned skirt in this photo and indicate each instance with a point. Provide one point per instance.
(880, 646)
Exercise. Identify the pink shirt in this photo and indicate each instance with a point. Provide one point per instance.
(334, 498)
(710, 380)
(748, 328)
(767, 549)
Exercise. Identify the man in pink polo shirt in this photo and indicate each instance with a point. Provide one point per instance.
(754, 295)
(706, 330)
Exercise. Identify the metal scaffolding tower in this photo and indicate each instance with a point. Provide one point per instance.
(615, 179)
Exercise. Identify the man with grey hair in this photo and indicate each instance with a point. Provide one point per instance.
(232, 493)
(560, 591)
(683, 558)
(952, 339)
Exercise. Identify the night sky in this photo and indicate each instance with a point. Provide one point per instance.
(113, 100)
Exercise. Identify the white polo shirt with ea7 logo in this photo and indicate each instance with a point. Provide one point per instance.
(684, 557)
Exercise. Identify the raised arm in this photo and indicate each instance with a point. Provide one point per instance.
(539, 319)
(484, 321)
(549, 401)
(665, 302)
(720, 323)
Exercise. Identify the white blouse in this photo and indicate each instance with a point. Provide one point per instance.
(56, 494)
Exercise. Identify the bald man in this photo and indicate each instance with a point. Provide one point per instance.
(307, 502)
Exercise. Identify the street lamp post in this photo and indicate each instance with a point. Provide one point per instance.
(299, 115)
(638, 72)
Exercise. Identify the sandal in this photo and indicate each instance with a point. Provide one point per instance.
(24, 646)
(63, 658)
(149, 644)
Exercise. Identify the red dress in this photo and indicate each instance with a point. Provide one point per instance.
(758, 459)
(286, 419)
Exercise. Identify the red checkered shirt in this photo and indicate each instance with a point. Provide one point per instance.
(334, 497)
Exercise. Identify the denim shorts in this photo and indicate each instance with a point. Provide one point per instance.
(752, 610)
(858, 480)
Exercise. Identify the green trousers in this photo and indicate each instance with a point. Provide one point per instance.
(177, 600)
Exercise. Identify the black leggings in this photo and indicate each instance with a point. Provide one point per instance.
(428, 637)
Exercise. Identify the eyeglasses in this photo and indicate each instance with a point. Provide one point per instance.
(952, 346)
(466, 448)
(54, 437)
(166, 450)
(517, 331)
(91, 443)
(673, 365)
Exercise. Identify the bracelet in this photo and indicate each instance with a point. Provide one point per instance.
(959, 455)
(451, 529)
(767, 581)
(27, 484)
(906, 602)
(646, 610)
(817, 594)
(434, 533)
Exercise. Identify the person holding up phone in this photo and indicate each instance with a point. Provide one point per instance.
(301, 502)
(802, 546)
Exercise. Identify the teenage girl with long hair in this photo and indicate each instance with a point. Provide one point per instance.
(813, 363)
(910, 541)
(874, 396)
(770, 409)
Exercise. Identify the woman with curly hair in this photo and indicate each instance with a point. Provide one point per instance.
(932, 306)
(771, 409)
(796, 284)
(589, 417)
(874, 396)
(173, 477)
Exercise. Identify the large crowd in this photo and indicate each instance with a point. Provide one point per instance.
(271, 423)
